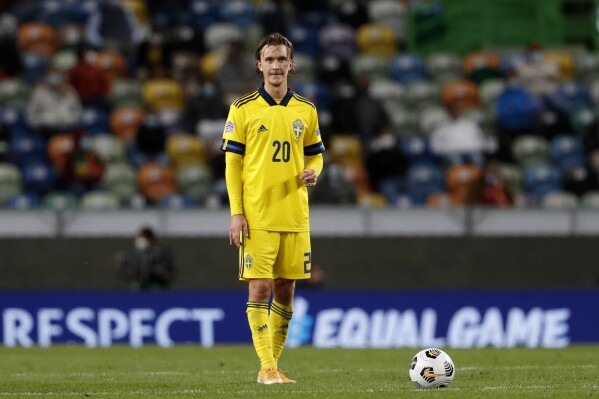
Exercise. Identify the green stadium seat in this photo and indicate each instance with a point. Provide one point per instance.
(195, 181)
(530, 150)
(560, 200)
(99, 200)
(10, 181)
(60, 201)
(373, 66)
(590, 200)
(120, 179)
(126, 93)
(14, 93)
(108, 148)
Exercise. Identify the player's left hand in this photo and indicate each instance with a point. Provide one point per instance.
(309, 177)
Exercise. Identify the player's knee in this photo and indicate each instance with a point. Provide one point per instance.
(284, 290)
(260, 290)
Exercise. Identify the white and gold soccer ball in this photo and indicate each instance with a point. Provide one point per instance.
(432, 368)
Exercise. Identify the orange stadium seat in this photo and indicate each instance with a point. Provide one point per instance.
(125, 121)
(463, 184)
(156, 181)
(60, 149)
(461, 93)
(37, 37)
(113, 63)
(162, 93)
(186, 149)
(376, 39)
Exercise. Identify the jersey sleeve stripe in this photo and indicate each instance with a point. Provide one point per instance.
(304, 100)
(246, 100)
(239, 100)
(314, 149)
(233, 146)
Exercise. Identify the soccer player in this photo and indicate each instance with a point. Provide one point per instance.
(273, 153)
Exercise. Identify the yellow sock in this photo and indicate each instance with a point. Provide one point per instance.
(257, 313)
(278, 324)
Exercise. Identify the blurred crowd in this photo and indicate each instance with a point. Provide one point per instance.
(121, 104)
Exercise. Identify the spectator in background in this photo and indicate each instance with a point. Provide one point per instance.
(203, 100)
(496, 190)
(234, 77)
(54, 105)
(537, 75)
(90, 81)
(10, 62)
(113, 27)
(458, 140)
(150, 267)
(150, 140)
(83, 168)
(369, 116)
(334, 188)
(275, 17)
(386, 165)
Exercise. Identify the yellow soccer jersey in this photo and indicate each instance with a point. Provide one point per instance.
(273, 139)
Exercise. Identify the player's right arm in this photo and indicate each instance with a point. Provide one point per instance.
(234, 190)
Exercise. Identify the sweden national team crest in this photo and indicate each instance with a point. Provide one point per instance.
(248, 261)
(298, 129)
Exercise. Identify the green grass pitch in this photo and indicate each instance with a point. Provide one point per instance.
(230, 371)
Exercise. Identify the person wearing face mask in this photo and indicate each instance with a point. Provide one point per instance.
(150, 266)
(54, 105)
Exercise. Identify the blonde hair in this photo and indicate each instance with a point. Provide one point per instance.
(275, 39)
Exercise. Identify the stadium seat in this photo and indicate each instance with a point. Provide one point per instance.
(39, 178)
(27, 148)
(183, 64)
(204, 13)
(530, 150)
(371, 199)
(444, 67)
(217, 36)
(156, 181)
(60, 201)
(305, 39)
(570, 97)
(305, 68)
(489, 90)
(370, 65)
(590, 200)
(345, 149)
(186, 149)
(559, 200)
(177, 201)
(126, 93)
(70, 36)
(564, 61)
(14, 93)
(389, 13)
(22, 202)
(163, 93)
(240, 13)
(35, 66)
(210, 129)
(579, 180)
(317, 92)
(438, 200)
(512, 173)
(211, 63)
(516, 109)
(424, 180)
(108, 148)
(119, 178)
(430, 117)
(10, 181)
(376, 39)
(113, 63)
(566, 152)
(195, 181)
(461, 93)
(38, 38)
(587, 66)
(63, 60)
(94, 120)
(125, 121)
(417, 150)
(423, 94)
(99, 200)
(482, 65)
(407, 69)
(60, 149)
(464, 184)
(338, 40)
(539, 180)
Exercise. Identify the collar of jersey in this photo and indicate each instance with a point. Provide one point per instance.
(271, 101)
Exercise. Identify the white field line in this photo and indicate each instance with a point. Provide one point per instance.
(530, 367)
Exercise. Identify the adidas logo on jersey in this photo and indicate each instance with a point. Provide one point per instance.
(262, 129)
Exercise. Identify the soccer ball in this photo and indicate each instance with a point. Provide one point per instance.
(432, 368)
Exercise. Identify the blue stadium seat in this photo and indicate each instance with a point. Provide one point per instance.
(567, 152)
(39, 178)
(22, 202)
(304, 39)
(27, 148)
(338, 40)
(240, 13)
(177, 201)
(570, 97)
(417, 150)
(423, 180)
(317, 92)
(35, 66)
(94, 120)
(539, 180)
(204, 13)
(15, 121)
(516, 108)
(408, 68)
